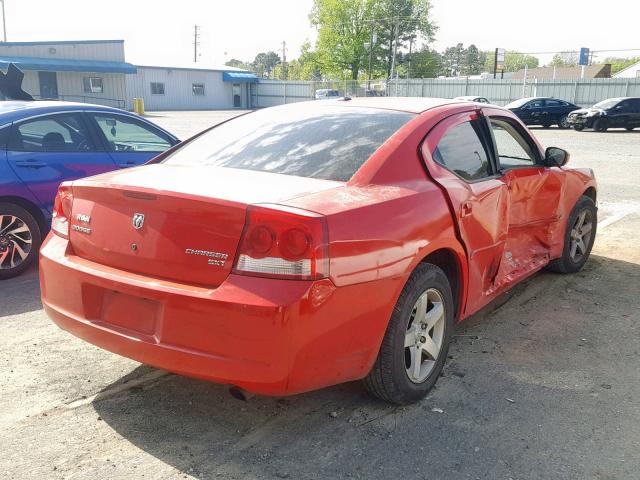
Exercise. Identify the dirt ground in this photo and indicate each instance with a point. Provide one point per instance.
(542, 384)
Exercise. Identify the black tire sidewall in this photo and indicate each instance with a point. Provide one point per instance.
(563, 119)
(584, 202)
(434, 278)
(36, 237)
(600, 125)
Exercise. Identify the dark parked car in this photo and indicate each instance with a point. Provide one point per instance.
(610, 113)
(543, 111)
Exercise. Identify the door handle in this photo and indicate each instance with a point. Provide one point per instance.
(30, 163)
(467, 208)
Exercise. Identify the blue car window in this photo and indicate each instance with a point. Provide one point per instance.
(56, 133)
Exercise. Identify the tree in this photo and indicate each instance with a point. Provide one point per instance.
(513, 61)
(473, 61)
(343, 29)
(239, 64)
(618, 64)
(345, 26)
(425, 63)
(453, 61)
(412, 17)
(564, 59)
(265, 63)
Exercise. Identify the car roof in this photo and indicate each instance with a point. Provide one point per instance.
(12, 110)
(403, 104)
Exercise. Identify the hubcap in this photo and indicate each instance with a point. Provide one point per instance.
(581, 235)
(424, 337)
(15, 241)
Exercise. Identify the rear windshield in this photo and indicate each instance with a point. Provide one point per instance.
(329, 142)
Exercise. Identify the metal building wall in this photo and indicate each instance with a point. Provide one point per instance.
(98, 50)
(178, 92)
(71, 87)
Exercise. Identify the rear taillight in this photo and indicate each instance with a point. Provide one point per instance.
(62, 210)
(282, 242)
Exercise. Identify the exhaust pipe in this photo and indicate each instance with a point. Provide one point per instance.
(240, 394)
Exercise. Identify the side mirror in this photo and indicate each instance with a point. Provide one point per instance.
(556, 157)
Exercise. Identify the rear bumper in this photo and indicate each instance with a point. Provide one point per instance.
(272, 337)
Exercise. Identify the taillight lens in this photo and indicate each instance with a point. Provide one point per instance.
(62, 210)
(283, 242)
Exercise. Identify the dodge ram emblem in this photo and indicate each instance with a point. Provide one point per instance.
(138, 220)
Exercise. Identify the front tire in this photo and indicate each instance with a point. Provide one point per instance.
(579, 237)
(20, 240)
(415, 345)
(578, 128)
(629, 129)
(600, 125)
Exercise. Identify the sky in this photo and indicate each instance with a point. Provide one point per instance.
(161, 32)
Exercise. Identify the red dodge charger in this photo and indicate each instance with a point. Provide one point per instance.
(305, 245)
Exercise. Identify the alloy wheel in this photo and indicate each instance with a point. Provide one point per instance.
(424, 337)
(15, 241)
(581, 235)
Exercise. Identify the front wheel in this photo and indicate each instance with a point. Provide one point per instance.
(19, 240)
(578, 128)
(564, 122)
(629, 129)
(415, 345)
(600, 125)
(579, 237)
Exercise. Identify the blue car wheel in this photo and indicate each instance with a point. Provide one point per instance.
(20, 240)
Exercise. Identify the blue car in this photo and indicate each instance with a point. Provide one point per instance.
(45, 143)
(543, 111)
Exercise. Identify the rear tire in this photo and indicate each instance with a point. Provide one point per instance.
(546, 125)
(579, 237)
(415, 346)
(20, 240)
(600, 125)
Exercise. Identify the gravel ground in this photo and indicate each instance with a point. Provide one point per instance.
(543, 383)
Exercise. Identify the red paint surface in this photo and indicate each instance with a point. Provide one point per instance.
(171, 310)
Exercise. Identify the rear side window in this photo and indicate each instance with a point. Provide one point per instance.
(328, 142)
(57, 133)
(461, 151)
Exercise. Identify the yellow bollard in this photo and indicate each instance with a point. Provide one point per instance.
(135, 105)
(141, 106)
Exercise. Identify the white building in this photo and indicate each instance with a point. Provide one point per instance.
(191, 87)
(632, 71)
(91, 71)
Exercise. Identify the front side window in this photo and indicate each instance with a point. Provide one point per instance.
(198, 89)
(58, 133)
(157, 88)
(461, 152)
(513, 150)
(328, 142)
(125, 134)
(92, 84)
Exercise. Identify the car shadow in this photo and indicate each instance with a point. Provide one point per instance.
(339, 432)
(20, 294)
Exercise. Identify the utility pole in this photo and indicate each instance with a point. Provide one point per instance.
(395, 50)
(196, 42)
(4, 22)
(409, 63)
(284, 60)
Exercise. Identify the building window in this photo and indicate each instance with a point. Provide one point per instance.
(92, 85)
(157, 88)
(198, 89)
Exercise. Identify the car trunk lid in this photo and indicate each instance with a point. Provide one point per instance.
(174, 222)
